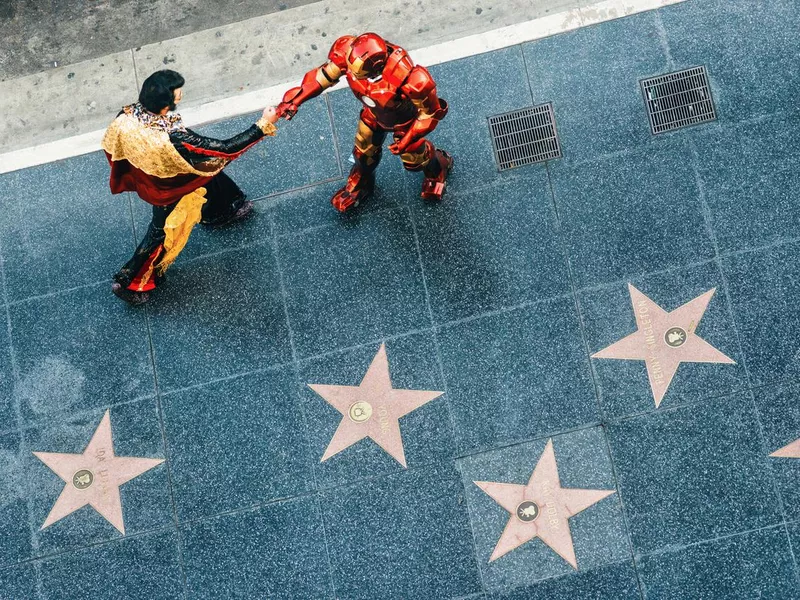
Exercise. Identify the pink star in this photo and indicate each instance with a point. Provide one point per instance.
(665, 339)
(540, 509)
(789, 451)
(94, 477)
(372, 409)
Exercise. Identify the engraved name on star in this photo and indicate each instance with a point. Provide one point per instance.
(372, 409)
(788, 451)
(94, 477)
(541, 508)
(663, 340)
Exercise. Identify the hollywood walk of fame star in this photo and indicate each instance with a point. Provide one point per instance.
(541, 508)
(372, 409)
(788, 451)
(665, 339)
(94, 477)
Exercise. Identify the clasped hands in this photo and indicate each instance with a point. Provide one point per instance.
(270, 114)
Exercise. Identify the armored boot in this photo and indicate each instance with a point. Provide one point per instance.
(436, 172)
(360, 183)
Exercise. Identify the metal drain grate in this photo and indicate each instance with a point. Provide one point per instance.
(678, 100)
(525, 136)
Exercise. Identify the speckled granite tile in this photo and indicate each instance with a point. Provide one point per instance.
(595, 93)
(692, 474)
(426, 432)
(779, 412)
(748, 174)
(61, 227)
(608, 582)
(145, 499)
(492, 248)
(301, 152)
(598, 533)
(402, 536)
(608, 316)
(750, 50)
(517, 375)
(757, 564)
(793, 530)
(236, 443)
(79, 350)
(219, 316)
(139, 568)
(631, 214)
(349, 285)
(8, 403)
(764, 286)
(19, 583)
(310, 207)
(275, 552)
(16, 543)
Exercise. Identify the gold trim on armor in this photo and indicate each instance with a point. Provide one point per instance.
(418, 159)
(322, 79)
(148, 149)
(356, 67)
(364, 140)
(332, 72)
(423, 106)
(327, 75)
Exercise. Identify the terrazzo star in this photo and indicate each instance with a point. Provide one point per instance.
(93, 478)
(372, 409)
(664, 340)
(541, 509)
(178, 171)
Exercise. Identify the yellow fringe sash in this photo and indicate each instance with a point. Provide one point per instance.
(179, 225)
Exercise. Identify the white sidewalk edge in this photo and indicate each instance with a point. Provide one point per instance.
(256, 100)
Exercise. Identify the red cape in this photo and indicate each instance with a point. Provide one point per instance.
(153, 190)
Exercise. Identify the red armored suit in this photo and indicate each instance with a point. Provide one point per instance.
(397, 97)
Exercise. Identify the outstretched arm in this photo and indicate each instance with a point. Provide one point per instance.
(421, 90)
(197, 149)
(317, 80)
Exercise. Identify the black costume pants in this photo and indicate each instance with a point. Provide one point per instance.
(223, 199)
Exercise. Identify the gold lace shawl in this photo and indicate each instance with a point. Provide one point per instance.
(150, 150)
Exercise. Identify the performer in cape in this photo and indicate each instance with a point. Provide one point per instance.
(177, 171)
(397, 97)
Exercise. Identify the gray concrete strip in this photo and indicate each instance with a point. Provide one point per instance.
(36, 35)
(66, 101)
(231, 59)
(280, 47)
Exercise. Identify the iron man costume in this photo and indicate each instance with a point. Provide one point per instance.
(397, 97)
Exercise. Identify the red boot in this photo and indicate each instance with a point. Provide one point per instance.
(360, 185)
(433, 185)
